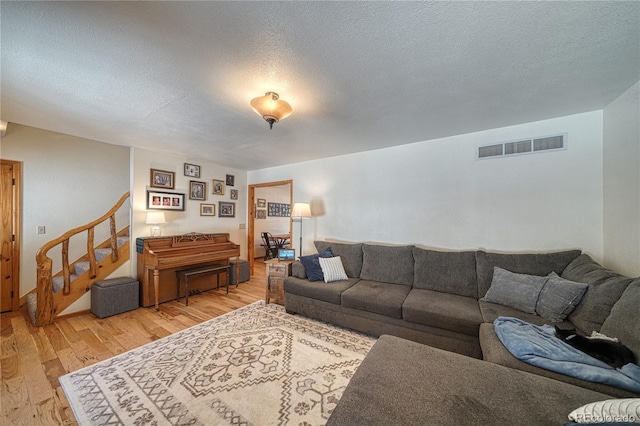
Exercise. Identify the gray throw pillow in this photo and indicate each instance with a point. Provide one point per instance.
(519, 291)
(559, 297)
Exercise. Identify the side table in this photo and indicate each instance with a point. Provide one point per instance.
(277, 271)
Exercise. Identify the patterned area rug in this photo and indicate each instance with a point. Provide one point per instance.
(257, 365)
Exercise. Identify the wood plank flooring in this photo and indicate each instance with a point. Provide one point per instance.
(32, 358)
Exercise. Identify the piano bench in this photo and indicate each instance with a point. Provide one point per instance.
(245, 273)
(185, 274)
(114, 296)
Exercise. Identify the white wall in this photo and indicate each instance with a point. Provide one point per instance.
(272, 224)
(66, 182)
(622, 183)
(436, 194)
(181, 222)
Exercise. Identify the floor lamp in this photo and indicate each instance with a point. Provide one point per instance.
(301, 210)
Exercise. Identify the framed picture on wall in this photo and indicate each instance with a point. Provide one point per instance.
(261, 214)
(157, 200)
(231, 180)
(218, 187)
(226, 209)
(207, 209)
(234, 194)
(191, 170)
(262, 202)
(197, 190)
(162, 179)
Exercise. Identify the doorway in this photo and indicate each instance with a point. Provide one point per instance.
(252, 208)
(10, 235)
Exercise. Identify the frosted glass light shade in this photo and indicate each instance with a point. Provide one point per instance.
(271, 108)
(301, 210)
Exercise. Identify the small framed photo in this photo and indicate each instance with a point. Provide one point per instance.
(231, 179)
(162, 179)
(286, 254)
(218, 187)
(234, 194)
(261, 214)
(157, 200)
(226, 209)
(262, 202)
(207, 209)
(191, 170)
(197, 190)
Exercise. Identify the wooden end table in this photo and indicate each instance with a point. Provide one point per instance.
(277, 271)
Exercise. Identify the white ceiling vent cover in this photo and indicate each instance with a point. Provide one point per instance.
(523, 146)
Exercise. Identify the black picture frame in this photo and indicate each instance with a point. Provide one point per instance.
(197, 190)
(157, 200)
(226, 209)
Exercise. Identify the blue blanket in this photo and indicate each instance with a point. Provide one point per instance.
(538, 345)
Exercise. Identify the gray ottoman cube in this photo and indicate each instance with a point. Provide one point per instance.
(245, 273)
(114, 296)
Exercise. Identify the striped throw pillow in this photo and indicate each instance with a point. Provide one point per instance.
(332, 269)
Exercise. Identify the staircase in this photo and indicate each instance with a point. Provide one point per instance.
(55, 293)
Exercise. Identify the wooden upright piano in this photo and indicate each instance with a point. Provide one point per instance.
(161, 256)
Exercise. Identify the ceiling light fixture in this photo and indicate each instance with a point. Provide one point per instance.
(271, 108)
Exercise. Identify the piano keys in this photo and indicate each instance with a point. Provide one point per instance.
(159, 257)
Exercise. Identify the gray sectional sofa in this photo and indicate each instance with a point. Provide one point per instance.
(434, 298)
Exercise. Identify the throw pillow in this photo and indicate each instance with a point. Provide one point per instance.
(610, 410)
(559, 297)
(312, 266)
(519, 291)
(332, 269)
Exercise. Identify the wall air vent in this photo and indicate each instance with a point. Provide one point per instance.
(522, 146)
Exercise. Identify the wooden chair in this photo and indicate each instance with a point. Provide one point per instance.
(270, 250)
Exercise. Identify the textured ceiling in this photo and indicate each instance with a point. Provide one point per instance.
(178, 76)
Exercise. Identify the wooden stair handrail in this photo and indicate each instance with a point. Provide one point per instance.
(45, 307)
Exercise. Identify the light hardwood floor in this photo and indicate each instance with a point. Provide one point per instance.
(33, 358)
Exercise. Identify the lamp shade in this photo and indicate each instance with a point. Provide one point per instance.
(155, 218)
(301, 210)
(271, 108)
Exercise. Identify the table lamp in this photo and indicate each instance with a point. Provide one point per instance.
(155, 219)
(301, 211)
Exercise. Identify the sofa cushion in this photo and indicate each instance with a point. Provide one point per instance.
(329, 292)
(541, 264)
(605, 288)
(380, 298)
(624, 320)
(559, 297)
(387, 264)
(312, 265)
(519, 291)
(443, 310)
(446, 272)
(491, 311)
(351, 255)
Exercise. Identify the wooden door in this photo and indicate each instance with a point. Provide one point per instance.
(9, 238)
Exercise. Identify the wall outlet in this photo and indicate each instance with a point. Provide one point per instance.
(41, 229)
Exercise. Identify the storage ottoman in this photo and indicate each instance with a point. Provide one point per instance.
(114, 296)
(245, 274)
